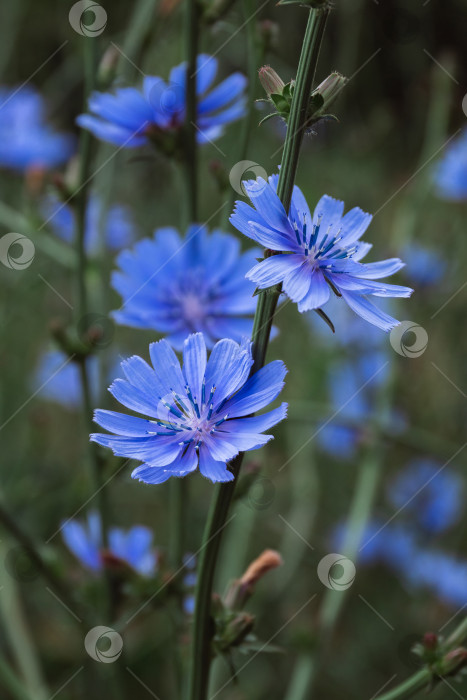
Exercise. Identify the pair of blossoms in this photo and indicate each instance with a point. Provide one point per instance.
(201, 414)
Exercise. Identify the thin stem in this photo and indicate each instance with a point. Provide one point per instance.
(252, 68)
(409, 687)
(267, 301)
(191, 155)
(30, 548)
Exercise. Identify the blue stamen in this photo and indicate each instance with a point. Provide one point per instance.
(296, 233)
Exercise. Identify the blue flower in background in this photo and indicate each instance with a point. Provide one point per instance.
(431, 494)
(451, 173)
(117, 225)
(179, 286)
(316, 252)
(57, 378)
(200, 416)
(441, 573)
(353, 386)
(134, 547)
(129, 117)
(26, 140)
(424, 267)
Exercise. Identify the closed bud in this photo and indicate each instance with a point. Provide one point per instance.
(241, 589)
(271, 81)
(454, 662)
(326, 92)
(235, 630)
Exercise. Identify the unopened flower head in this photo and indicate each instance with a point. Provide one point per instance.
(270, 80)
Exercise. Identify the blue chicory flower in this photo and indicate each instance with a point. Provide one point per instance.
(431, 494)
(130, 116)
(134, 547)
(26, 140)
(178, 286)
(117, 226)
(451, 173)
(200, 415)
(316, 252)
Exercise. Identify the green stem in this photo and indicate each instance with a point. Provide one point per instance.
(191, 155)
(252, 67)
(409, 687)
(41, 566)
(267, 301)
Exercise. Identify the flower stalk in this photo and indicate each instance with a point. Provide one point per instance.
(267, 302)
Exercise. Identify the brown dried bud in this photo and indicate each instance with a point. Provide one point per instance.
(268, 560)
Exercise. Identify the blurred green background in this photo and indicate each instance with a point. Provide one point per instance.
(397, 112)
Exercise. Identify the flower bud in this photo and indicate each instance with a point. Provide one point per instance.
(241, 589)
(454, 662)
(326, 92)
(268, 560)
(235, 630)
(270, 80)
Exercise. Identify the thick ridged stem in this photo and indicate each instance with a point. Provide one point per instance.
(267, 301)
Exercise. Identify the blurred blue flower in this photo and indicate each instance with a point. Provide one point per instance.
(189, 583)
(316, 252)
(382, 543)
(57, 378)
(353, 387)
(129, 117)
(431, 494)
(441, 573)
(201, 415)
(117, 226)
(134, 547)
(179, 286)
(424, 267)
(26, 140)
(451, 173)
